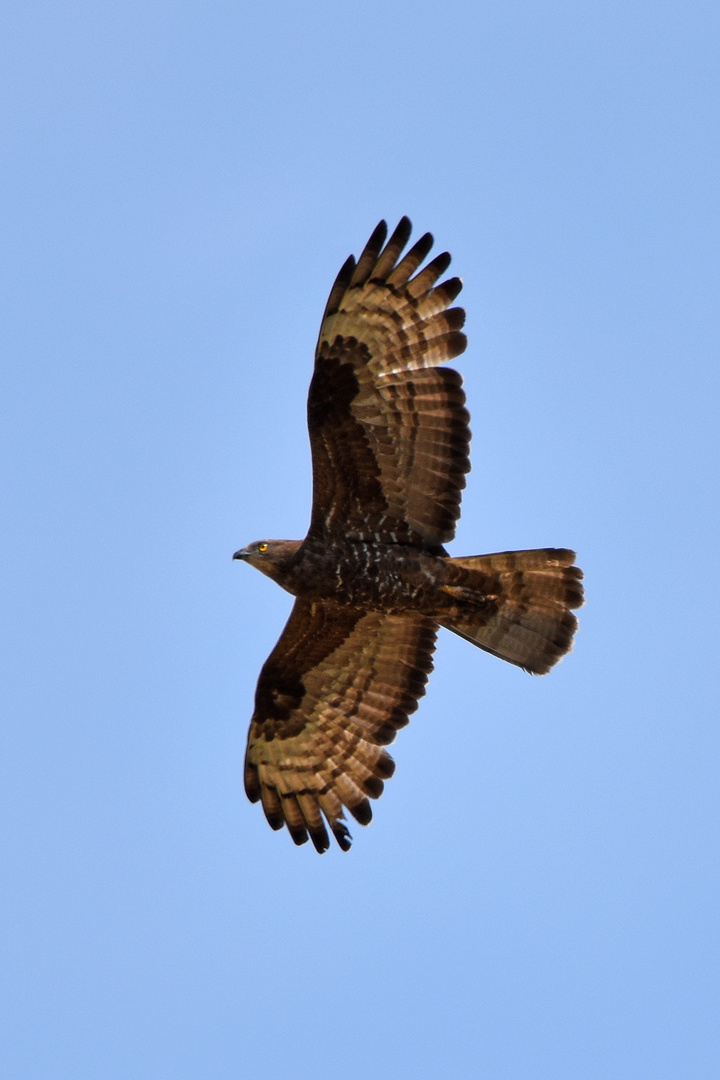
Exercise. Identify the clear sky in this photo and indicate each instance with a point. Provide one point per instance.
(537, 896)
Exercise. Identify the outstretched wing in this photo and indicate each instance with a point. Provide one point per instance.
(334, 691)
(388, 427)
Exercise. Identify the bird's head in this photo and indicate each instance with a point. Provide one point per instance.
(271, 557)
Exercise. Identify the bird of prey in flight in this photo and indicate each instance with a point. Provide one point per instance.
(372, 581)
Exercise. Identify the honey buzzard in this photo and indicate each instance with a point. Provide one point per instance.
(373, 583)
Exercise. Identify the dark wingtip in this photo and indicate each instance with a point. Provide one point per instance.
(450, 288)
(346, 270)
(252, 782)
(298, 833)
(385, 766)
(401, 234)
(377, 236)
(340, 286)
(373, 786)
(342, 836)
(456, 344)
(362, 812)
(440, 263)
(320, 840)
(420, 249)
(455, 318)
(274, 818)
(369, 256)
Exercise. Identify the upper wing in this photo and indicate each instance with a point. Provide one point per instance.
(388, 427)
(333, 692)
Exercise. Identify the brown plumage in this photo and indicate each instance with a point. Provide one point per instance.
(390, 449)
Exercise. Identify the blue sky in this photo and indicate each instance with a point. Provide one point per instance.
(537, 896)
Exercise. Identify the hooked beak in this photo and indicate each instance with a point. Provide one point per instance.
(241, 554)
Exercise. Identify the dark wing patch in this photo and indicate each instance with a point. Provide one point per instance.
(388, 427)
(333, 692)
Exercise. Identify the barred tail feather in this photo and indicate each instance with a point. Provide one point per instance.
(517, 605)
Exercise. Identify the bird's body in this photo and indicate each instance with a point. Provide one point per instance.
(390, 578)
(373, 582)
(358, 573)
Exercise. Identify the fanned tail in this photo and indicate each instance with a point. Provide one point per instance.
(517, 604)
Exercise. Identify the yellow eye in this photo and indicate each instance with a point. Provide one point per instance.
(262, 547)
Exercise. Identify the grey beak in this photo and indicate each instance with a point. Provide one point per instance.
(241, 554)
